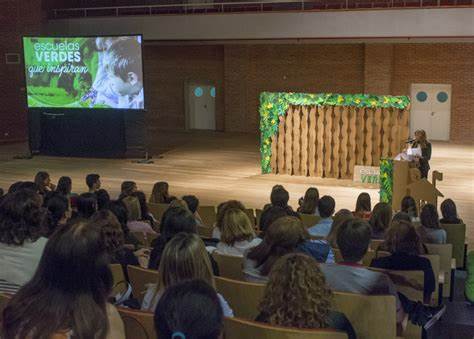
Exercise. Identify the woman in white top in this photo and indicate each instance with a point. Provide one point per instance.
(184, 258)
(237, 233)
(21, 241)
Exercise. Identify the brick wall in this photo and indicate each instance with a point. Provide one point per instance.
(378, 68)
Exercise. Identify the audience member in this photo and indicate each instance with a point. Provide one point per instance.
(238, 234)
(67, 296)
(93, 182)
(309, 306)
(43, 183)
(193, 203)
(23, 185)
(326, 208)
(64, 186)
(118, 208)
(272, 213)
(449, 213)
(59, 211)
(184, 258)
(190, 309)
(380, 220)
(279, 197)
(430, 230)
(309, 203)
(221, 209)
(21, 237)
(145, 213)
(285, 235)
(128, 188)
(408, 206)
(160, 194)
(363, 206)
(401, 216)
(339, 218)
(86, 205)
(103, 198)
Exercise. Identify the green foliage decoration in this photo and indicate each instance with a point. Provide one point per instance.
(386, 180)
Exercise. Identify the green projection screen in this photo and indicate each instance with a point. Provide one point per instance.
(84, 72)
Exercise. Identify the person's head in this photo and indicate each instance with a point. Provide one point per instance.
(408, 206)
(310, 201)
(326, 206)
(282, 237)
(401, 216)
(176, 220)
(133, 207)
(310, 301)
(160, 192)
(42, 180)
(70, 288)
(420, 136)
(272, 213)
(110, 229)
(124, 66)
(353, 239)
(190, 309)
(103, 199)
(402, 237)
(363, 203)
(140, 195)
(223, 207)
(279, 196)
(59, 211)
(93, 182)
(128, 188)
(184, 258)
(21, 217)
(340, 217)
(64, 186)
(448, 210)
(192, 201)
(86, 205)
(118, 208)
(429, 216)
(236, 226)
(381, 217)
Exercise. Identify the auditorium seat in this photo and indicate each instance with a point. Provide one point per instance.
(205, 231)
(309, 220)
(375, 243)
(120, 282)
(251, 214)
(157, 210)
(229, 266)
(447, 264)
(456, 235)
(258, 215)
(139, 279)
(236, 328)
(208, 215)
(138, 324)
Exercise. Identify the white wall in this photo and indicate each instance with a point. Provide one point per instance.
(455, 22)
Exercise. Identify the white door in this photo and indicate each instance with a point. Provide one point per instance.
(431, 110)
(201, 106)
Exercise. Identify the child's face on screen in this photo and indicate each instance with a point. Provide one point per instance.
(121, 87)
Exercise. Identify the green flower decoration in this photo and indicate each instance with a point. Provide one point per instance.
(386, 180)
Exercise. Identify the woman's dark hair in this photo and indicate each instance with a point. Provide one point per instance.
(190, 308)
(64, 186)
(57, 206)
(103, 199)
(363, 203)
(23, 185)
(402, 237)
(192, 201)
(429, 216)
(176, 220)
(381, 217)
(309, 204)
(326, 206)
(127, 188)
(21, 217)
(142, 201)
(449, 212)
(409, 206)
(279, 196)
(40, 178)
(272, 213)
(353, 239)
(86, 205)
(401, 216)
(118, 208)
(69, 290)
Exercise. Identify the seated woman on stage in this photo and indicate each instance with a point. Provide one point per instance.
(363, 206)
(430, 231)
(309, 204)
(449, 212)
(423, 161)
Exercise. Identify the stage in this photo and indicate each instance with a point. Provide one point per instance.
(220, 166)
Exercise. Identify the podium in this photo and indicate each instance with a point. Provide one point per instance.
(403, 171)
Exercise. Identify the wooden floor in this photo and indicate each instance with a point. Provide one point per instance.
(217, 167)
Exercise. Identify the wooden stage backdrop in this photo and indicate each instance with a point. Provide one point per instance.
(328, 141)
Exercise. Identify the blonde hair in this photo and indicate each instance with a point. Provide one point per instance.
(184, 258)
(236, 226)
(309, 301)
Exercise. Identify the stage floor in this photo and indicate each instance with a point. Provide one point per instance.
(217, 166)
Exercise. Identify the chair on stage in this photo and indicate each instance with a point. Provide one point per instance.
(208, 215)
(139, 279)
(230, 266)
(138, 324)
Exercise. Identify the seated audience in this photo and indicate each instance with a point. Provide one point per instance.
(408, 206)
(190, 309)
(285, 235)
(326, 208)
(103, 198)
(118, 208)
(309, 306)
(128, 189)
(309, 203)
(272, 213)
(93, 182)
(221, 209)
(64, 186)
(86, 205)
(193, 203)
(59, 212)
(23, 185)
(339, 218)
(404, 244)
(43, 183)
(184, 258)
(449, 213)
(279, 197)
(21, 238)
(363, 206)
(67, 296)
(145, 213)
(238, 234)
(430, 231)
(380, 220)
(160, 194)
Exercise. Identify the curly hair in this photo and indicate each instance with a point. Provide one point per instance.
(110, 230)
(21, 218)
(307, 305)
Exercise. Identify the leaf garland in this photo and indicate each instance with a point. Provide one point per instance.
(386, 180)
(274, 105)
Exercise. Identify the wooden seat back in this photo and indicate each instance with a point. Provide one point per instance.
(157, 210)
(139, 279)
(456, 236)
(120, 282)
(208, 215)
(445, 253)
(138, 324)
(230, 266)
(309, 220)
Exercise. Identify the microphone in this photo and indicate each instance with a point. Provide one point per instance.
(409, 141)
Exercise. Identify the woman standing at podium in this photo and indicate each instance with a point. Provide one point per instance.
(423, 161)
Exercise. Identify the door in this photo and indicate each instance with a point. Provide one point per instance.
(201, 106)
(431, 110)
